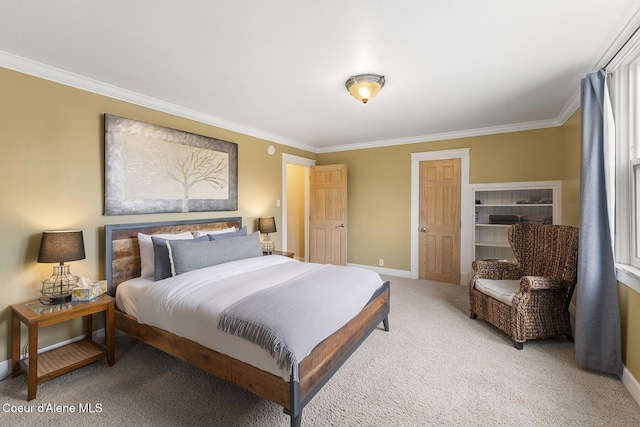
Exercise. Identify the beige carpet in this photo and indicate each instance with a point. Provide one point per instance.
(435, 367)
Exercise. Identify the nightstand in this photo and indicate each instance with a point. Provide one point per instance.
(50, 364)
(289, 254)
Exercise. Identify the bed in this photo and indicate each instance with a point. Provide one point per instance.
(292, 392)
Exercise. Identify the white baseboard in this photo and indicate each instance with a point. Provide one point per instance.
(628, 380)
(382, 270)
(464, 277)
(631, 384)
(4, 369)
(5, 366)
(572, 310)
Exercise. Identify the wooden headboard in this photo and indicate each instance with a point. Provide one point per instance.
(122, 250)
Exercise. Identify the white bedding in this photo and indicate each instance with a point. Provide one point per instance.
(190, 305)
(129, 294)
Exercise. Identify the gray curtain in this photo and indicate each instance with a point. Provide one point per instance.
(597, 326)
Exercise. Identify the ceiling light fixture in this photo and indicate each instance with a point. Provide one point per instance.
(364, 87)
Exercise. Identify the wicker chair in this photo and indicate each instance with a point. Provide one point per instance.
(529, 299)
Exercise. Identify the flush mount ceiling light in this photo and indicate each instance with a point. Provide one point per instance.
(364, 87)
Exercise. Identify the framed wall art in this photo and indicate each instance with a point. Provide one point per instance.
(154, 169)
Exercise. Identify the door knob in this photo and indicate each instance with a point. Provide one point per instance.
(340, 226)
(423, 230)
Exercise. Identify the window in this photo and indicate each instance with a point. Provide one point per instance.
(625, 96)
(633, 170)
(635, 226)
(634, 163)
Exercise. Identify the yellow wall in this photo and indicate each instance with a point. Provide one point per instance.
(571, 142)
(630, 329)
(52, 175)
(379, 192)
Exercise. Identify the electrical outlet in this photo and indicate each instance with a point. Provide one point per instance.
(381, 262)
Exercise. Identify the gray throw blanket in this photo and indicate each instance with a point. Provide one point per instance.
(290, 319)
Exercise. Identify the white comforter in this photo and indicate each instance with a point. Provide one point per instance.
(190, 305)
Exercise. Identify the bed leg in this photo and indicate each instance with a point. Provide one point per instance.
(385, 323)
(296, 407)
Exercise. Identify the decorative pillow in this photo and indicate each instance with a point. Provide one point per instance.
(187, 256)
(221, 236)
(162, 264)
(146, 251)
(200, 233)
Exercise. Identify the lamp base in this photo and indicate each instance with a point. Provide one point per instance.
(56, 300)
(57, 289)
(267, 245)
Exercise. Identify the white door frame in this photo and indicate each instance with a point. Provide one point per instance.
(466, 212)
(307, 163)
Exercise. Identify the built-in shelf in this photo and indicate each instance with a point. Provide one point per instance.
(494, 245)
(530, 201)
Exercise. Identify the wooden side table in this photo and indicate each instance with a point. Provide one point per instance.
(289, 254)
(44, 366)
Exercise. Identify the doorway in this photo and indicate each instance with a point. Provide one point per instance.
(466, 217)
(295, 205)
(328, 214)
(439, 222)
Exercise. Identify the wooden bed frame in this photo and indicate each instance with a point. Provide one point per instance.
(123, 263)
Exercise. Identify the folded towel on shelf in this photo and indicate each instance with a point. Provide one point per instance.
(503, 219)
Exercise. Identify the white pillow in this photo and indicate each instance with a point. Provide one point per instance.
(146, 251)
(201, 233)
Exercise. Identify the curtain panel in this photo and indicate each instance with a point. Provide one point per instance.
(597, 325)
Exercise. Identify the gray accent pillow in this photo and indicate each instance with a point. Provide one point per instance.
(186, 256)
(162, 264)
(221, 236)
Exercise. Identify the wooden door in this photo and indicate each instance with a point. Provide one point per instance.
(439, 223)
(328, 214)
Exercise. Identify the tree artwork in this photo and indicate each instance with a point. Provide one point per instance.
(185, 165)
(150, 169)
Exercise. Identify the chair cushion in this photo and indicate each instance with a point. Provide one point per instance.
(502, 290)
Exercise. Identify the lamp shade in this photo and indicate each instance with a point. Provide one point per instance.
(364, 87)
(61, 246)
(267, 225)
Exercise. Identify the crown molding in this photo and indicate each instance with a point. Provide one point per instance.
(492, 130)
(47, 72)
(57, 75)
(569, 108)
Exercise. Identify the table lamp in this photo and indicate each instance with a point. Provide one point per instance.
(267, 225)
(60, 247)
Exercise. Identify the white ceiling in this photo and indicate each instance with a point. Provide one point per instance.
(276, 69)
